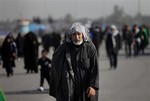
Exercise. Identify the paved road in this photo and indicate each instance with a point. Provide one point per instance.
(129, 82)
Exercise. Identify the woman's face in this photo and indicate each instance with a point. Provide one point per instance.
(77, 37)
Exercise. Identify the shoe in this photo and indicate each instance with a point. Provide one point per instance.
(41, 89)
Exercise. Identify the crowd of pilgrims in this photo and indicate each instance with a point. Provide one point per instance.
(134, 39)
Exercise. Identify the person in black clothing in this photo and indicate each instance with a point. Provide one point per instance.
(113, 42)
(75, 73)
(19, 43)
(30, 52)
(97, 37)
(106, 33)
(47, 41)
(9, 54)
(136, 39)
(44, 62)
(56, 38)
(128, 40)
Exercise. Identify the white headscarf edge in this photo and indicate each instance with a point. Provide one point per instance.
(77, 26)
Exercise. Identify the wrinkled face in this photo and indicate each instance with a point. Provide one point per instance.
(77, 37)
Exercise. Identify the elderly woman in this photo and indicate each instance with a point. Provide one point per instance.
(74, 75)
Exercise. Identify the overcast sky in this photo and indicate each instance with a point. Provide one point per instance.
(11, 9)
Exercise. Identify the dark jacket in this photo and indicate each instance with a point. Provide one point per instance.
(85, 73)
(19, 43)
(109, 43)
(44, 63)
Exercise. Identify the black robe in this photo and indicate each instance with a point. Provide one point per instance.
(67, 87)
(109, 43)
(8, 49)
(30, 51)
(19, 43)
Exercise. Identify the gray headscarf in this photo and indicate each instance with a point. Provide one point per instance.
(77, 27)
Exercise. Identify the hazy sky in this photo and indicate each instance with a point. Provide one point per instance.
(11, 9)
